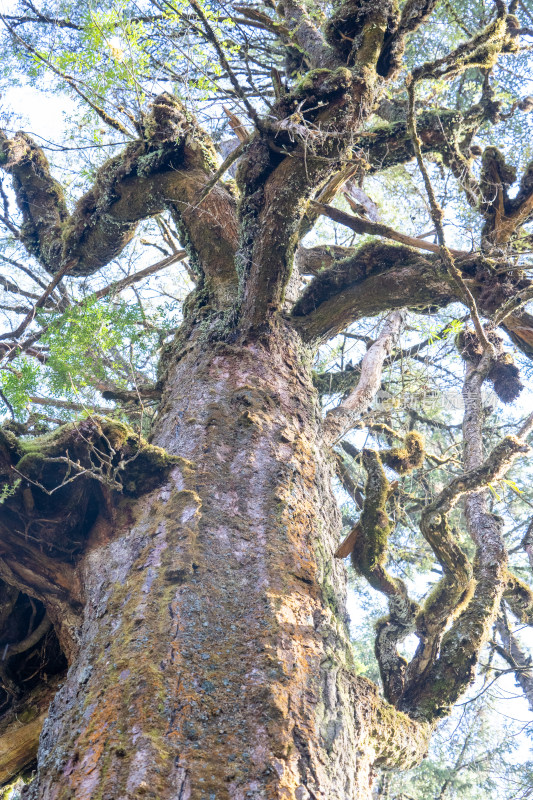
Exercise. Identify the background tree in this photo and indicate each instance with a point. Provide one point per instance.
(169, 528)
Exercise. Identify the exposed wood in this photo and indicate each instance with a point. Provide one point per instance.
(236, 125)
(20, 729)
(348, 544)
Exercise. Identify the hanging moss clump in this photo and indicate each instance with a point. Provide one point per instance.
(505, 377)
(407, 458)
(503, 374)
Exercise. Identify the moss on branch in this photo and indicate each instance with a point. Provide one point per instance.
(371, 547)
(357, 29)
(59, 481)
(377, 277)
(368, 558)
(168, 167)
(519, 595)
(407, 458)
(370, 259)
(481, 50)
(142, 464)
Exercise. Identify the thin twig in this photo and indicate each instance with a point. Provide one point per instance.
(437, 215)
(211, 36)
(233, 156)
(104, 116)
(40, 302)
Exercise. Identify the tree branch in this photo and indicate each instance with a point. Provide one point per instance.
(362, 226)
(376, 278)
(168, 169)
(340, 419)
(368, 558)
(432, 691)
(119, 286)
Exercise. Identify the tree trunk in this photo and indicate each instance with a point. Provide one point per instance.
(214, 657)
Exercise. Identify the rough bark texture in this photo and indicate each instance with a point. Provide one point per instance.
(214, 659)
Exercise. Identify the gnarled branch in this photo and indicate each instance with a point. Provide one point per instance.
(169, 168)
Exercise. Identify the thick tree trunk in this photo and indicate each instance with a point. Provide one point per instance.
(214, 659)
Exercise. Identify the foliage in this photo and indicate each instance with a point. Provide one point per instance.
(82, 341)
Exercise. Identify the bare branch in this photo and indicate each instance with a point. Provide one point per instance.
(340, 419)
(515, 656)
(360, 225)
(28, 319)
(119, 286)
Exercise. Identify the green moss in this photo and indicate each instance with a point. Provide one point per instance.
(407, 458)
(370, 550)
(519, 595)
(145, 472)
(330, 597)
(372, 258)
(139, 465)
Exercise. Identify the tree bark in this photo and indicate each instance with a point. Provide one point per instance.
(214, 656)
